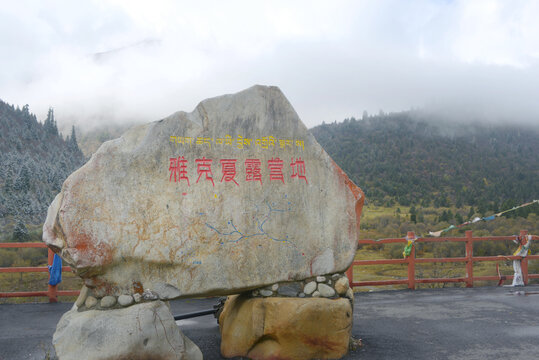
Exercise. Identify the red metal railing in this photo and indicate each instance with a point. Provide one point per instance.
(469, 259)
(52, 293)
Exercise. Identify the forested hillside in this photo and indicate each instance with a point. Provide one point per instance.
(399, 158)
(34, 162)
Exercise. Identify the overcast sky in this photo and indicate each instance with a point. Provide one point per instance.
(114, 61)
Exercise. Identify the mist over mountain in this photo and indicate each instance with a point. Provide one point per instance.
(413, 158)
(35, 159)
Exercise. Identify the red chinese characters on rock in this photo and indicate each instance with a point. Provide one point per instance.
(253, 170)
(228, 167)
(204, 168)
(178, 168)
(298, 169)
(275, 167)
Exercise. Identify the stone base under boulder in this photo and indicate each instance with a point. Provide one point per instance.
(142, 331)
(285, 328)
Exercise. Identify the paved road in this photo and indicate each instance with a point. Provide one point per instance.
(478, 323)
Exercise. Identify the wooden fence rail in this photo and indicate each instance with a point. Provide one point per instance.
(52, 292)
(469, 259)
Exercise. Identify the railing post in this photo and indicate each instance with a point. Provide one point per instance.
(524, 261)
(52, 289)
(411, 263)
(469, 261)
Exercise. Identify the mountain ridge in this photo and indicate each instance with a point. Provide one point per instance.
(407, 159)
(35, 160)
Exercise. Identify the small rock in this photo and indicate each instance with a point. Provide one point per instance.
(125, 300)
(137, 297)
(90, 302)
(149, 295)
(266, 293)
(309, 288)
(301, 295)
(316, 294)
(274, 287)
(335, 277)
(289, 289)
(320, 279)
(82, 296)
(329, 282)
(255, 293)
(350, 294)
(342, 286)
(325, 290)
(108, 301)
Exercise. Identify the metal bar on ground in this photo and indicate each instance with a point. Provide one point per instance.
(194, 314)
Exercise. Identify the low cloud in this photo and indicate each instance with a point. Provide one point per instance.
(100, 62)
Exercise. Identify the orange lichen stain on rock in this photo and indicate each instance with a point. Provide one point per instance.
(90, 254)
(356, 191)
(322, 343)
(137, 287)
(100, 287)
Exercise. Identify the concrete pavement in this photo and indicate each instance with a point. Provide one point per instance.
(455, 323)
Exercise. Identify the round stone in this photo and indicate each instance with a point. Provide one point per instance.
(90, 302)
(290, 289)
(301, 295)
(342, 286)
(82, 296)
(320, 279)
(325, 290)
(266, 293)
(125, 300)
(274, 287)
(350, 294)
(108, 301)
(137, 297)
(316, 294)
(149, 295)
(335, 277)
(309, 288)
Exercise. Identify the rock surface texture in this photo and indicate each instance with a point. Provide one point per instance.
(285, 328)
(233, 196)
(145, 331)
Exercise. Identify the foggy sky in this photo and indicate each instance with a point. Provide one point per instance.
(117, 61)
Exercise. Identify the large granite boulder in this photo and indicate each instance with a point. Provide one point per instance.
(232, 196)
(142, 331)
(285, 328)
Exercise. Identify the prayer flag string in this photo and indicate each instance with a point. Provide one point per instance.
(477, 219)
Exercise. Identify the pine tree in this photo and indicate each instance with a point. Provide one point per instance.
(20, 233)
(23, 180)
(471, 212)
(50, 125)
(73, 145)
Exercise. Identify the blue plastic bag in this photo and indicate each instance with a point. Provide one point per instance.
(55, 271)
